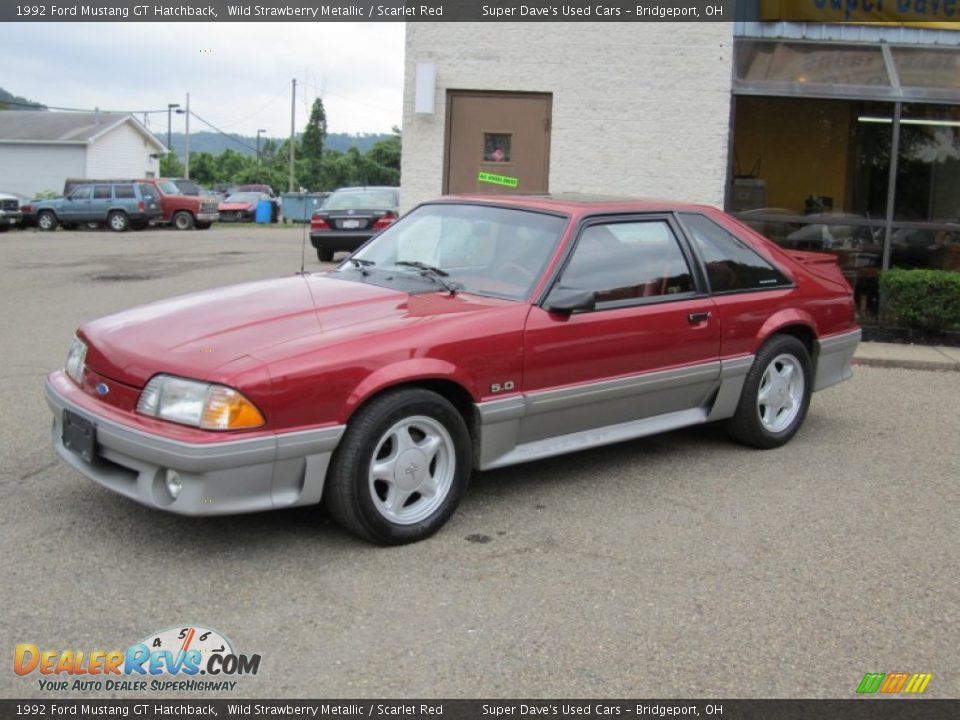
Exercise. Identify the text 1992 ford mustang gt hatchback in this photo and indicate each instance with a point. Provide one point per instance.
(473, 333)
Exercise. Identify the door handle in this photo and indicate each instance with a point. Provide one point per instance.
(698, 317)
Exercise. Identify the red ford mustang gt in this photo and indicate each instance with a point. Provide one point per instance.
(473, 333)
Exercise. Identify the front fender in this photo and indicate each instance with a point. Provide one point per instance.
(404, 373)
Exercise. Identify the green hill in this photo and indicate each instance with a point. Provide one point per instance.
(214, 143)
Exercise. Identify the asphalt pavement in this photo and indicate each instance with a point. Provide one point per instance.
(681, 565)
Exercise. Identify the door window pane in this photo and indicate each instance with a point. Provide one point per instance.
(82, 193)
(101, 192)
(628, 260)
(496, 147)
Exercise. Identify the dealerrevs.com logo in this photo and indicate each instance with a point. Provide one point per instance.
(167, 661)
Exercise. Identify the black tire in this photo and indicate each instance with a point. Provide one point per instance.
(118, 221)
(47, 220)
(182, 220)
(324, 255)
(360, 503)
(770, 425)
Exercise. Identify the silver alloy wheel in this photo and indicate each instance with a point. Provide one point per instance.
(780, 395)
(45, 221)
(412, 470)
(118, 222)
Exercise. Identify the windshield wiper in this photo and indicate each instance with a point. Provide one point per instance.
(434, 273)
(361, 264)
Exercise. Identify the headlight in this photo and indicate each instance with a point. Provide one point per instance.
(200, 404)
(76, 357)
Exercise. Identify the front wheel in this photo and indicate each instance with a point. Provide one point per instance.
(183, 221)
(401, 468)
(118, 221)
(47, 221)
(776, 394)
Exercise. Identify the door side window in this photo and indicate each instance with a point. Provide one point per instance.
(628, 261)
(102, 192)
(731, 265)
(82, 193)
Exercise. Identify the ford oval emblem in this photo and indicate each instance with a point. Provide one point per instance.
(103, 389)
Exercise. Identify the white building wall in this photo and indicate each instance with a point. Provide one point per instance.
(36, 168)
(639, 109)
(122, 153)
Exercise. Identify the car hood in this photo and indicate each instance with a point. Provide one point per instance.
(197, 335)
(236, 205)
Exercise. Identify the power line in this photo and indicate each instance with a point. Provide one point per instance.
(226, 135)
(268, 104)
(40, 106)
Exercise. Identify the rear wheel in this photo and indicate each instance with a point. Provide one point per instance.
(400, 469)
(47, 220)
(776, 394)
(118, 221)
(324, 255)
(183, 220)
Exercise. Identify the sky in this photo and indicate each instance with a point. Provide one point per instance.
(238, 74)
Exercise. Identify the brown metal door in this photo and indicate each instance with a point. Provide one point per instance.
(497, 143)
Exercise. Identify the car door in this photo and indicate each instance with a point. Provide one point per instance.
(100, 203)
(76, 206)
(649, 347)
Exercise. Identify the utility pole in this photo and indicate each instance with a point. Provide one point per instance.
(293, 113)
(170, 106)
(186, 150)
(258, 153)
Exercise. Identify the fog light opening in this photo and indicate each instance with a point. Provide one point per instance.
(174, 483)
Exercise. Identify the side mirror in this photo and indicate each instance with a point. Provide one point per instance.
(570, 300)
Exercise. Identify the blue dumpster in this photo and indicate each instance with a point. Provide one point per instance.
(299, 207)
(264, 211)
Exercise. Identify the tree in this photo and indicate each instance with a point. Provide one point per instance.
(170, 165)
(311, 146)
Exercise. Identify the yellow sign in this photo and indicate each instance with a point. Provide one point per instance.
(939, 14)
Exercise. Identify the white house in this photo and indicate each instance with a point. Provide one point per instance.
(39, 150)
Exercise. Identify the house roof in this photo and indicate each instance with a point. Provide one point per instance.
(68, 128)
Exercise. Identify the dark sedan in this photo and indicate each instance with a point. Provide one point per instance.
(350, 217)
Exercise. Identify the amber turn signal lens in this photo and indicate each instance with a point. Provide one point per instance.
(227, 409)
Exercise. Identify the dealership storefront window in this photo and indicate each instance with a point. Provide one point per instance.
(851, 149)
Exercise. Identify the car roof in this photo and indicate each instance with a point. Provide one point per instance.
(578, 203)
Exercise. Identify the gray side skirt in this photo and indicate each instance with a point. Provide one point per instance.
(553, 422)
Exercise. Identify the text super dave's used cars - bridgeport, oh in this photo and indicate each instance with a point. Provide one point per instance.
(473, 333)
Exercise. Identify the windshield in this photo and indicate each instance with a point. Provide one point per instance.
(369, 199)
(485, 250)
(168, 187)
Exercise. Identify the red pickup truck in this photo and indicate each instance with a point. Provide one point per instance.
(184, 212)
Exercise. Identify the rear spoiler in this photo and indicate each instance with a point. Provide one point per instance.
(823, 265)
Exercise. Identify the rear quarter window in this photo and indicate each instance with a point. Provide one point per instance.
(123, 192)
(731, 264)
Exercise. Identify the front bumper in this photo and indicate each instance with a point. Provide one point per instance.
(10, 218)
(232, 476)
(208, 216)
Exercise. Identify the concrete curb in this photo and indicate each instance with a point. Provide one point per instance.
(912, 357)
